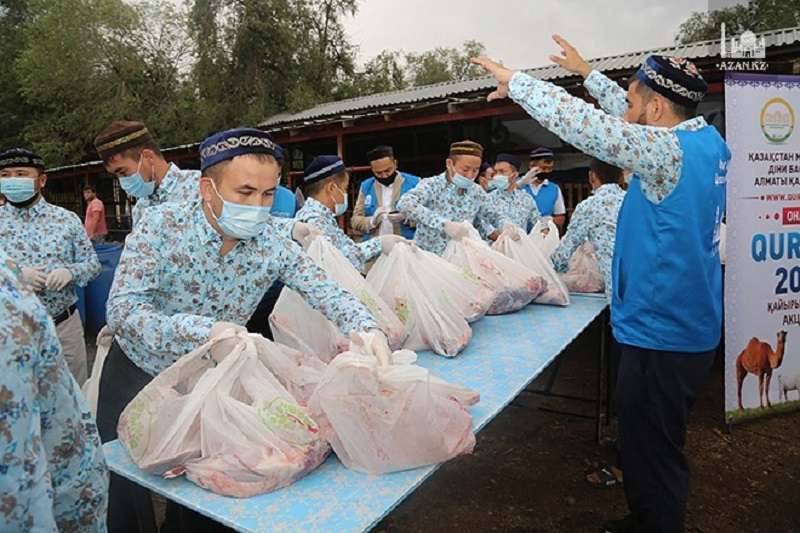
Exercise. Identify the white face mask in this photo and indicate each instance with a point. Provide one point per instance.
(240, 221)
(340, 209)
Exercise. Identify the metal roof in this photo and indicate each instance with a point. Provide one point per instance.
(450, 89)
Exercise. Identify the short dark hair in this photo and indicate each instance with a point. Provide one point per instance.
(683, 112)
(605, 173)
(316, 187)
(89, 188)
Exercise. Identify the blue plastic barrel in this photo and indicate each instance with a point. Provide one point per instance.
(97, 291)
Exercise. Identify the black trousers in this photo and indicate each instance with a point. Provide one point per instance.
(130, 506)
(259, 322)
(655, 391)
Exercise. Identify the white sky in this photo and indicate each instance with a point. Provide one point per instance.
(518, 31)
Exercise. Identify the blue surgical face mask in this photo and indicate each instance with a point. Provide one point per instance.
(240, 221)
(498, 182)
(340, 209)
(134, 185)
(462, 182)
(18, 189)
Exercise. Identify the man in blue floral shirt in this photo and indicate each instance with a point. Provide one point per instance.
(506, 198)
(130, 153)
(595, 220)
(325, 185)
(192, 270)
(50, 245)
(666, 309)
(53, 475)
(444, 206)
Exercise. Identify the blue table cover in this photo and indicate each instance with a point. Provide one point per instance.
(506, 353)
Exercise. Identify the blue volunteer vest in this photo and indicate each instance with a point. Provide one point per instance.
(371, 200)
(545, 199)
(666, 268)
(283, 203)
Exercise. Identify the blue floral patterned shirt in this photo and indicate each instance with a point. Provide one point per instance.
(53, 475)
(48, 236)
(515, 206)
(177, 186)
(319, 216)
(436, 201)
(594, 220)
(172, 285)
(652, 153)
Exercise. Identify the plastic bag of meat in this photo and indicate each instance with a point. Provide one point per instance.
(230, 426)
(384, 417)
(514, 284)
(583, 274)
(423, 290)
(545, 234)
(526, 252)
(299, 326)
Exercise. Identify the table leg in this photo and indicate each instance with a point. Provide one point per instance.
(602, 404)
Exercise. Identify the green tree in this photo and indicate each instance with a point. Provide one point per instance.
(756, 16)
(444, 64)
(14, 110)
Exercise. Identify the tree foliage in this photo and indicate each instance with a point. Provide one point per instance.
(756, 16)
(185, 68)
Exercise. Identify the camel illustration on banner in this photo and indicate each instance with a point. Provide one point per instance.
(760, 359)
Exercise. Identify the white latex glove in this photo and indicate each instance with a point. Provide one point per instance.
(378, 217)
(302, 232)
(58, 279)
(388, 242)
(35, 277)
(512, 231)
(372, 342)
(234, 332)
(105, 337)
(397, 218)
(456, 230)
(527, 179)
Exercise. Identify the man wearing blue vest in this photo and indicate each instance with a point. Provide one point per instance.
(375, 213)
(548, 196)
(666, 309)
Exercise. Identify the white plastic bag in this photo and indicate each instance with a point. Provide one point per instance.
(723, 243)
(412, 282)
(296, 324)
(514, 284)
(230, 427)
(386, 418)
(545, 234)
(526, 252)
(91, 388)
(584, 273)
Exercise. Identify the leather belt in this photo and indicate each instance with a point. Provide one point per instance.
(65, 315)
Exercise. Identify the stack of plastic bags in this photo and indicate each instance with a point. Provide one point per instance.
(296, 324)
(385, 415)
(545, 235)
(242, 415)
(525, 251)
(434, 299)
(583, 274)
(230, 426)
(514, 284)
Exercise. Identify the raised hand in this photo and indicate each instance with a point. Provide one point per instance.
(570, 59)
(501, 74)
